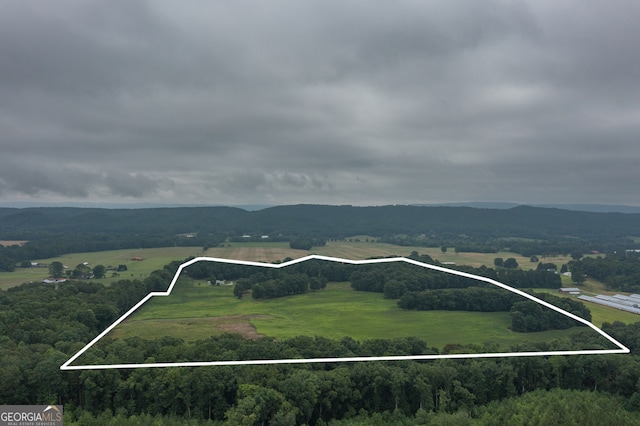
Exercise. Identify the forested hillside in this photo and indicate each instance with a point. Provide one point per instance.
(526, 230)
(325, 221)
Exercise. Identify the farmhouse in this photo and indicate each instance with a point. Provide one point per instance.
(569, 290)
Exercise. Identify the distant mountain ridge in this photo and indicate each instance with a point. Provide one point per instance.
(595, 208)
(323, 221)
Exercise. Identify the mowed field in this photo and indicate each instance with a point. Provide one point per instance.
(152, 259)
(156, 258)
(197, 311)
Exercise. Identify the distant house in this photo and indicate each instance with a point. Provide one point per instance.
(569, 290)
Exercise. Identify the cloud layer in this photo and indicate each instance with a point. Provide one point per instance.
(334, 102)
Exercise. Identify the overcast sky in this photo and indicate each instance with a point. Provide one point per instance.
(332, 102)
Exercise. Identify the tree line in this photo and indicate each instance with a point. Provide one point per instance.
(618, 271)
(52, 232)
(288, 285)
(526, 315)
(529, 316)
(406, 277)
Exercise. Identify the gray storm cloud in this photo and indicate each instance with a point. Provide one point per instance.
(325, 102)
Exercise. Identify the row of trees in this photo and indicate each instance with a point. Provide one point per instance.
(333, 271)
(526, 315)
(548, 245)
(529, 316)
(395, 279)
(477, 299)
(287, 286)
(618, 271)
(555, 406)
(80, 272)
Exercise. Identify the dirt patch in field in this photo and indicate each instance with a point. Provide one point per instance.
(189, 329)
(239, 324)
(245, 329)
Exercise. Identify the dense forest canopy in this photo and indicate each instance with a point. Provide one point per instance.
(526, 230)
(325, 221)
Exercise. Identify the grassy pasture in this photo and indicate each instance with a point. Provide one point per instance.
(194, 311)
(363, 249)
(153, 259)
(156, 258)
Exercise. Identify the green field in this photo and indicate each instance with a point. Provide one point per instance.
(153, 259)
(196, 311)
(156, 258)
(360, 322)
(363, 249)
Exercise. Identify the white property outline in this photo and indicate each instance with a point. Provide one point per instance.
(66, 366)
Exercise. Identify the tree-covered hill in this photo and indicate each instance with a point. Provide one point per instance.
(325, 221)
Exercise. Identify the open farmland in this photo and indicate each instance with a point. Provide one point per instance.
(599, 313)
(152, 259)
(197, 311)
(156, 258)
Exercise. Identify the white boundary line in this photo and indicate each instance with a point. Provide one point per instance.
(66, 366)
